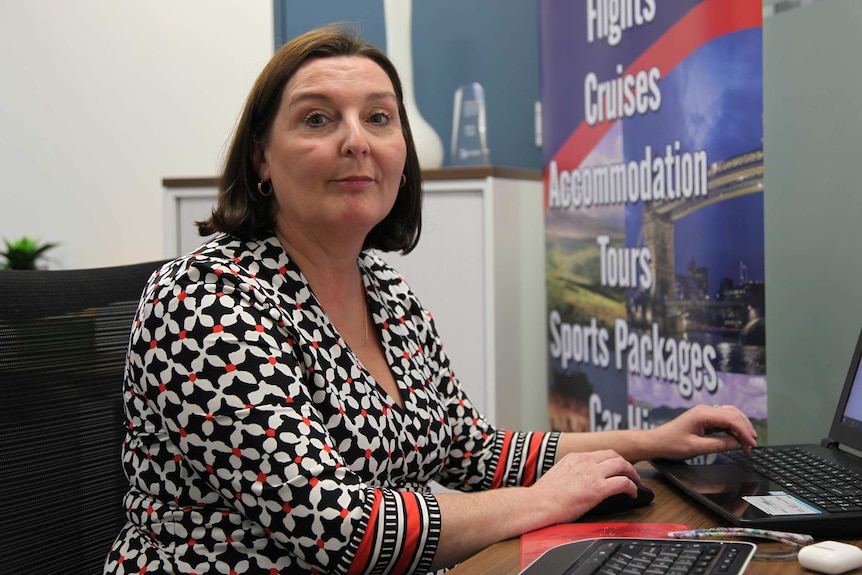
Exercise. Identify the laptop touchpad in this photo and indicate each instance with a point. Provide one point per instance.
(719, 474)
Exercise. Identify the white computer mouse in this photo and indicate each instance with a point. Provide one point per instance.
(831, 557)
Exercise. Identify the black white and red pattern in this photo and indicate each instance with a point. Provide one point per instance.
(257, 443)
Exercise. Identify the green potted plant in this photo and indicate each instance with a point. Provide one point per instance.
(24, 254)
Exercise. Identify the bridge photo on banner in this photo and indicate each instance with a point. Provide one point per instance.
(653, 154)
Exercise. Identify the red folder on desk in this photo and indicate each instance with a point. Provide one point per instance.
(534, 543)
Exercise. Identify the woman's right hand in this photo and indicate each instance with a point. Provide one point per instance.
(580, 481)
(576, 483)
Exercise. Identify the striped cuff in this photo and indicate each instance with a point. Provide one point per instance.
(524, 457)
(401, 536)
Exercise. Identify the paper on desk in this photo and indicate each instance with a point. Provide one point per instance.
(537, 542)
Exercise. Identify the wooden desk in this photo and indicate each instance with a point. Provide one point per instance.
(669, 507)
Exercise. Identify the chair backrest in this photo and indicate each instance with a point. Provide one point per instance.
(63, 340)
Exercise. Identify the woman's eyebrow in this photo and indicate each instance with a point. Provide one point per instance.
(381, 96)
(324, 97)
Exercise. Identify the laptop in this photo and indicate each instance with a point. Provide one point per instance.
(740, 490)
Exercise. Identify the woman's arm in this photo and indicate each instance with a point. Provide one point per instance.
(701, 429)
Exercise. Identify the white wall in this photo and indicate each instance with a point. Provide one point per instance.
(101, 99)
(813, 206)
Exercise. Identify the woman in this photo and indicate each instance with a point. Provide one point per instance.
(289, 399)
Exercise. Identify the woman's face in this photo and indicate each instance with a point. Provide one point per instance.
(336, 151)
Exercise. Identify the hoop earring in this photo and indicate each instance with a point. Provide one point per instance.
(403, 180)
(260, 188)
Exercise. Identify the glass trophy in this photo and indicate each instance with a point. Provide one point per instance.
(469, 144)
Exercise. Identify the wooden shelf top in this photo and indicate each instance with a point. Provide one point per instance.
(476, 172)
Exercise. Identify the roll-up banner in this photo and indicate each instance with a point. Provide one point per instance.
(653, 152)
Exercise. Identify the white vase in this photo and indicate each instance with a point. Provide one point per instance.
(399, 47)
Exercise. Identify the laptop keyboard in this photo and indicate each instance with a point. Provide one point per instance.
(662, 556)
(820, 482)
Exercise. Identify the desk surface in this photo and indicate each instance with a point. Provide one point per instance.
(669, 507)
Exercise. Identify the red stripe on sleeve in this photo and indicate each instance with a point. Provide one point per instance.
(531, 460)
(363, 554)
(501, 461)
(412, 531)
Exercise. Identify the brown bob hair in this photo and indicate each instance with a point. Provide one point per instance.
(242, 211)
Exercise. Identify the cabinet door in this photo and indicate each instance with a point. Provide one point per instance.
(183, 207)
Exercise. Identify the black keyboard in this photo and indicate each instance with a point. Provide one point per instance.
(626, 556)
(818, 481)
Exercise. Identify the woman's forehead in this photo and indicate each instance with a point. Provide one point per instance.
(339, 74)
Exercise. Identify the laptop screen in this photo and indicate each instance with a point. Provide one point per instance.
(847, 424)
(853, 410)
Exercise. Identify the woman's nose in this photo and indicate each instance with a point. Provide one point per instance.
(355, 141)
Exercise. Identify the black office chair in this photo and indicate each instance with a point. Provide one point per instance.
(63, 339)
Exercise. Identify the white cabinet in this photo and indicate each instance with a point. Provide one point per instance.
(479, 268)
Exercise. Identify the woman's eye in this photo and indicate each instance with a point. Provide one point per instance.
(315, 119)
(381, 118)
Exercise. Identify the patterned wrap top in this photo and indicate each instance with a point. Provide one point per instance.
(257, 442)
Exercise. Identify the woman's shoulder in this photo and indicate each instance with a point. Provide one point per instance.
(245, 260)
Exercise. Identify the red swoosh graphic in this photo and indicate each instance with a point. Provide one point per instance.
(703, 24)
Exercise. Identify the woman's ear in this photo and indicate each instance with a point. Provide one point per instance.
(260, 162)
